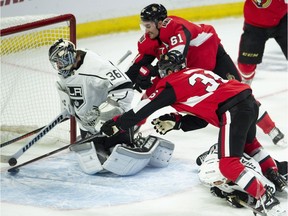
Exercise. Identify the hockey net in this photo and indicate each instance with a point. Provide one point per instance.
(29, 98)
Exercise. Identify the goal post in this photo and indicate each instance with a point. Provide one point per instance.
(29, 98)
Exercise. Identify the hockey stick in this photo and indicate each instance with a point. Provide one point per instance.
(21, 137)
(24, 136)
(87, 139)
(246, 205)
(124, 57)
(12, 160)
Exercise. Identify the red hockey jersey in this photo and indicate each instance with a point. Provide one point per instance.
(200, 93)
(264, 13)
(192, 91)
(199, 43)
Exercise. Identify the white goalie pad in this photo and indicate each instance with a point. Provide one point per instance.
(124, 161)
(65, 101)
(108, 110)
(210, 175)
(161, 152)
(87, 158)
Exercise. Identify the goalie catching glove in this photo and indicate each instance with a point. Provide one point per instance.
(167, 122)
(96, 116)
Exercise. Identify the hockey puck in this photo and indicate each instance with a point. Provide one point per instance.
(12, 161)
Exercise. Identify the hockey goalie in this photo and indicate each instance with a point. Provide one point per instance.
(93, 90)
(210, 176)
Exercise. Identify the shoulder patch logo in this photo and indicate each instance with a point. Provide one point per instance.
(262, 3)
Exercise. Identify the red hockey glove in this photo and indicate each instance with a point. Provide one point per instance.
(167, 122)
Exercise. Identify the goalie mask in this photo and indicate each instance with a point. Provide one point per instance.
(62, 56)
(173, 60)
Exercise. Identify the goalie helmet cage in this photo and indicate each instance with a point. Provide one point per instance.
(29, 98)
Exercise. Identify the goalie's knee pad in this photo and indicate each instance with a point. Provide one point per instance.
(162, 154)
(125, 161)
(87, 158)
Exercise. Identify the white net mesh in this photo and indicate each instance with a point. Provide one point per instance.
(29, 98)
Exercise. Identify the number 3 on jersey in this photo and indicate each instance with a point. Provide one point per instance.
(211, 83)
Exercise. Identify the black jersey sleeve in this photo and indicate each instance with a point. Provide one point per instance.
(165, 98)
(133, 71)
(190, 122)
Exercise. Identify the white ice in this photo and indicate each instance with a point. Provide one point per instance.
(174, 191)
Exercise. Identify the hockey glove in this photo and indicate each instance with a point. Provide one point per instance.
(217, 192)
(110, 127)
(167, 122)
(144, 78)
(88, 121)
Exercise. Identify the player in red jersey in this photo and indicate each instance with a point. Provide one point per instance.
(207, 98)
(262, 20)
(199, 43)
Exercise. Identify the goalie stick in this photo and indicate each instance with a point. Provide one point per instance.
(124, 57)
(12, 160)
(24, 136)
(87, 139)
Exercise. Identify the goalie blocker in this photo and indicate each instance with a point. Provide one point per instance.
(124, 161)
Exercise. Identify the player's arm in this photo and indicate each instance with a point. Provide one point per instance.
(175, 121)
(139, 61)
(160, 98)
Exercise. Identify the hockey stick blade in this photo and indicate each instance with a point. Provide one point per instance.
(246, 205)
(24, 136)
(12, 160)
(124, 57)
(87, 139)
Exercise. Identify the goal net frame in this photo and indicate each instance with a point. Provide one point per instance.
(45, 22)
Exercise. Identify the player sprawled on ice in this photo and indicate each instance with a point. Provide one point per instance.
(207, 98)
(93, 90)
(210, 175)
(199, 43)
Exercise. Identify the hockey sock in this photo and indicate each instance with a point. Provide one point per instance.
(265, 123)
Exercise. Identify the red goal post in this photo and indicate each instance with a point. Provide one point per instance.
(29, 98)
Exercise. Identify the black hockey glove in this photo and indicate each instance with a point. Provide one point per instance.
(217, 192)
(144, 78)
(110, 128)
(167, 122)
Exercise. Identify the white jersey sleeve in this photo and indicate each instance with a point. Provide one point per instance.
(96, 80)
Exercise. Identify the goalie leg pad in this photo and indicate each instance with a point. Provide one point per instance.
(162, 154)
(87, 158)
(124, 161)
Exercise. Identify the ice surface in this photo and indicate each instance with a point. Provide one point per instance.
(55, 186)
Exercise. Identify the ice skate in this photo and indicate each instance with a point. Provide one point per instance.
(277, 137)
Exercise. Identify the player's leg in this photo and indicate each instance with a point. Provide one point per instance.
(231, 146)
(251, 49)
(280, 35)
(269, 127)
